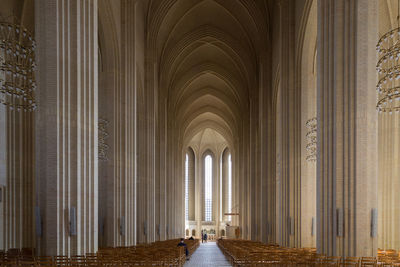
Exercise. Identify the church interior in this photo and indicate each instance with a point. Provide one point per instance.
(265, 125)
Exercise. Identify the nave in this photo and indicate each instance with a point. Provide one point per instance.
(207, 254)
(125, 123)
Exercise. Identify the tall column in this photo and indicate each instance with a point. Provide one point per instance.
(122, 209)
(216, 190)
(264, 220)
(347, 127)
(389, 181)
(3, 173)
(192, 186)
(66, 126)
(16, 161)
(291, 131)
(18, 189)
(198, 197)
(225, 184)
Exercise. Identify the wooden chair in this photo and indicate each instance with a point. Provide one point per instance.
(13, 254)
(331, 261)
(61, 261)
(23, 263)
(368, 261)
(44, 261)
(350, 261)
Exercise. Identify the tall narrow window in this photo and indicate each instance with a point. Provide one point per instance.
(208, 188)
(187, 187)
(229, 186)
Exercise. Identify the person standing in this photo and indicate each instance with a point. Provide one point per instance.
(205, 237)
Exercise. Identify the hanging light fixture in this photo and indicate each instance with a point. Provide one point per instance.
(17, 66)
(311, 139)
(388, 68)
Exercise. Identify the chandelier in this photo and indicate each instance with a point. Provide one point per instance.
(388, 68)
(311, 139)
(103, 135)
(17, 66)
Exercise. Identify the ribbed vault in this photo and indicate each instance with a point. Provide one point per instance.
(207, 61)
(207, 53)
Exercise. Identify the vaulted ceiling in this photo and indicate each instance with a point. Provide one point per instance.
(208, 53)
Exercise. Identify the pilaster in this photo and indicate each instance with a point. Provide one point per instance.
(347, 127)
(291, 131)
(66, 126)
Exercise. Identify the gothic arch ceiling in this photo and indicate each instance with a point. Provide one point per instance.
(208, 120)
(208, 139)
(207, 52)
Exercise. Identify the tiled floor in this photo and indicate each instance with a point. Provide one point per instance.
(208, 254)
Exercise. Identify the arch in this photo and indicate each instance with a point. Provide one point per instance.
(192, 131)
(208, 33)
(210, 52)
(242, 12)
(227, 119)
(211, 91)
(208, 80)
(178, 84)
(209, 121)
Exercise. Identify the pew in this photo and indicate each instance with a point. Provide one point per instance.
(160, 253)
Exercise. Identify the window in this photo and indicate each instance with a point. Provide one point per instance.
(229, 186)
(187, 187)
(208, 188)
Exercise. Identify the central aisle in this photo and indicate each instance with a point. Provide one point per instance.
(208, 254)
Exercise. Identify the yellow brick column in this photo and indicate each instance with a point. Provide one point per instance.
(347, 127)
(66, 126)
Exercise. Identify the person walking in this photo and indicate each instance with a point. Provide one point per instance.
(205, 237)
(202, 236)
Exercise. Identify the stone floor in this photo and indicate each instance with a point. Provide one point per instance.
(208, 254)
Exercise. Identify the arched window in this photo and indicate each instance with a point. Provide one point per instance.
(187, 187)
(208, 188)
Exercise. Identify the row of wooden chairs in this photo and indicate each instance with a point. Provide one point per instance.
(389, 256)
(161, 253)
(250, 253)
(16, 253)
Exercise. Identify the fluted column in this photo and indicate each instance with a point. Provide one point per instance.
(264, 149)
(129, 128)
(66, 126)
(18, 189)
(389, 181)
(225, 183)
(347, 127)
(192, 185)
(16, 179)
(3, 173)
(16, 162)
(235, 186)
(291, 132)
(198, 196)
